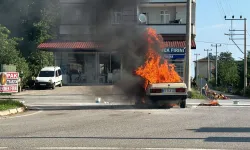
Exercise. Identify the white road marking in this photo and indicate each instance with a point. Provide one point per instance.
(117, 148)
(3, 147)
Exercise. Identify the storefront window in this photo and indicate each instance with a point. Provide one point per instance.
(82, 67)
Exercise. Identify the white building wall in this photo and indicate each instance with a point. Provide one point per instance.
(202, 68)
(154, 13)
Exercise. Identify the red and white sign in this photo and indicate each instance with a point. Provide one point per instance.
(8, 88)
(9, 82)
(12, 75)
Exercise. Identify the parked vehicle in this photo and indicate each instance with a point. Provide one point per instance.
(49, 77)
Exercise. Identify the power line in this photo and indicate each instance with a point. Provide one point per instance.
(217, 43)
(221, 7)
(221, 12)
(222, 15)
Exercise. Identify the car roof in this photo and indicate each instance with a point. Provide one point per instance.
(50, 68)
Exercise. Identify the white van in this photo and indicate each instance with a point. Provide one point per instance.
(49, 77)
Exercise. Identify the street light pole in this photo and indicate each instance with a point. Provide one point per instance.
(208, 69)
(216, 63)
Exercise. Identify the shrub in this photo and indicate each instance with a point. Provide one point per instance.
(194, 94)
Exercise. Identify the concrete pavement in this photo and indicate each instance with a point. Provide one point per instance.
(193, 128)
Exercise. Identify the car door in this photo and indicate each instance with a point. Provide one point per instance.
(57, 77)
(60, 74)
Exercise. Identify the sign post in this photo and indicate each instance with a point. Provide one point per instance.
(9, 82)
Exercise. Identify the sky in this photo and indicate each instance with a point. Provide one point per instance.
(211, 27)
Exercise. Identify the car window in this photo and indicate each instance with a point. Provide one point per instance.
(59, 72)
(46, 74)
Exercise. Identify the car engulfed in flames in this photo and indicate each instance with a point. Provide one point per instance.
(162, 84)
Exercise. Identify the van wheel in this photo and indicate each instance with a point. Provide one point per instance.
(183, 104)
(60, 85)
(53, 86)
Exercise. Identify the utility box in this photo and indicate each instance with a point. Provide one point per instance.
(7, 68)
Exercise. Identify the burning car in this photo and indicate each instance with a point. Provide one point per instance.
(162, 84)
(167, 93)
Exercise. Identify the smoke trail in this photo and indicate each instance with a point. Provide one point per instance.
(127, 37)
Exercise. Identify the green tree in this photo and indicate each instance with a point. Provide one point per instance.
(35, 21)
(45, 29)
(227, 70)
(10, 54)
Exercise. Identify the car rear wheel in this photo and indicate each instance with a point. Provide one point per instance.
(183, 104)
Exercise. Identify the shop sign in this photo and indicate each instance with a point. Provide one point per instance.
(170, 56)
(174, 51)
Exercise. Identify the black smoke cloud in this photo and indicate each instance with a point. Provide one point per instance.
(127, 38)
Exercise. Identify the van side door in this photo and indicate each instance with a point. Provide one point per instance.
(60, 74)
(57, 77)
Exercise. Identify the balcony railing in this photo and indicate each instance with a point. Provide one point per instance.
(170, 28)
(160, 28)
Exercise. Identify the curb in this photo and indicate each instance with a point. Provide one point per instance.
(12, 111)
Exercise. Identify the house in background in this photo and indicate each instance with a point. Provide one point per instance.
(80, 56)
(202, 67)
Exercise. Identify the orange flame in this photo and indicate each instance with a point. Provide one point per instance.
(214, 103)
(153, 71)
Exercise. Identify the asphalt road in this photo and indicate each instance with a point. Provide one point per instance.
(85, 95)
(63, 119)
(195, 128)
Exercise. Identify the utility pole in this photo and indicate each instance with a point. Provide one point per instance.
(208, 68)
(196, 74)
(245, 55)
(216, 63)
(188, 45)
(245, 46)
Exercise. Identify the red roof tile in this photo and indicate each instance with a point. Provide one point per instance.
(68, 45)
(92, 45)
(180, 44)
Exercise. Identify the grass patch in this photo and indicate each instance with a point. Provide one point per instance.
(9, 104)
(194, 94)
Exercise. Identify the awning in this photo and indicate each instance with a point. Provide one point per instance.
(92, 45)
(68, 45)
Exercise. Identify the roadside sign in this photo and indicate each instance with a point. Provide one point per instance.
(9, 82)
